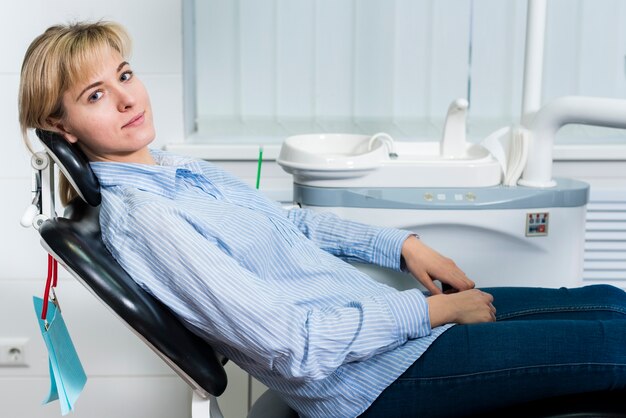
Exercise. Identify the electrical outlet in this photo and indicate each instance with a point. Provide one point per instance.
(13, 352)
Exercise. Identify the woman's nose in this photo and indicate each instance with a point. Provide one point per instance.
(126, 100)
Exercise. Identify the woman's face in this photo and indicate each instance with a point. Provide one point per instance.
(109, 115)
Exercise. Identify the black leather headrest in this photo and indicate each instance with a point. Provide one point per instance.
(73, 163)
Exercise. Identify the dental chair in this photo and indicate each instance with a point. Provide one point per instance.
(75, 241)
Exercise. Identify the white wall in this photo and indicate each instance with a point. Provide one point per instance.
(125, 378)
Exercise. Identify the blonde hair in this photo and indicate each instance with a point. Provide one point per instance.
(54, 62)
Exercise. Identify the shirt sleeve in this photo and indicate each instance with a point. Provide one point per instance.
(224, 302)
(353, 241)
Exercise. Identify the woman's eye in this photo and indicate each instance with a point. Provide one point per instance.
(126, 75)
(95, 96)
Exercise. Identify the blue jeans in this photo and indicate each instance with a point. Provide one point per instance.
(545, 342)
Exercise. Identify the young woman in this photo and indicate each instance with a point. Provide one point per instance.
(268, 288)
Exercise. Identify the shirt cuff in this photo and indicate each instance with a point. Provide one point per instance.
(388, 247)
(409, 309)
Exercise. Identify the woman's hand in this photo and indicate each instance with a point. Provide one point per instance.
(427, 265)
(468, 307)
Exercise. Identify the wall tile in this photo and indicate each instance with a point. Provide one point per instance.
(167, 104)
(20, 22)
(157, 38)
(15, 155)
(21, 255)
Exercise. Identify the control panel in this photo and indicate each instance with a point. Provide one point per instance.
(537, 224)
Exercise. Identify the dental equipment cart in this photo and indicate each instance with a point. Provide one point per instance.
(498, 235)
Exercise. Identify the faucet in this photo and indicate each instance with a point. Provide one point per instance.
(386, 140)
(453, 140)
(549, 119)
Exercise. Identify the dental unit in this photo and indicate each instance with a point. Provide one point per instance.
(493, 207)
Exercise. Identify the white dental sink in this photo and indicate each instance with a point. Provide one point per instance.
(345, 160)
(331, 156)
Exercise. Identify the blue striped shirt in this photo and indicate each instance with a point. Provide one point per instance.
(267, 287)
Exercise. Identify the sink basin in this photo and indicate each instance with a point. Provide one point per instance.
(331, 155)
(344, 160)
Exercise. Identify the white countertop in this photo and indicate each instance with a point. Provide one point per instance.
(216, 151)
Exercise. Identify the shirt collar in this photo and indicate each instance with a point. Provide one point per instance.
(159, 178)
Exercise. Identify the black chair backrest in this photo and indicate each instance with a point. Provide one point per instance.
(75, 240)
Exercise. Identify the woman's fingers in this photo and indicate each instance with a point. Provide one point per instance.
(428, 283)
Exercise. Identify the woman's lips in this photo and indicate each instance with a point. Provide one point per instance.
(137, 120)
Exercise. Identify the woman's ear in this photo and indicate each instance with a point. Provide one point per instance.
(58, 127)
